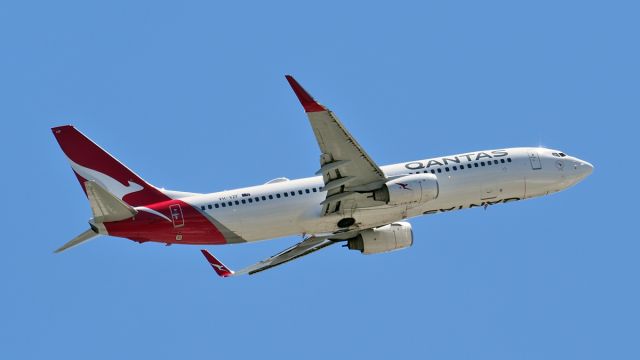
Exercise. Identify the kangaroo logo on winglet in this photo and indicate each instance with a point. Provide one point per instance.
(219, 267)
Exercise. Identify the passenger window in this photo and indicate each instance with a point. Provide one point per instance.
(307, 191)
(293, 193)
(475, 164)
(299, 192)
(495, 162)
(270, 197)
(468, 166)
(237, 202)
(256, 199)
(502, 161)
(455, 168)
(439, 170)
(202, 207)
(482, 163)
(217, 206)
(223, 205)
(446, 168)
(209, 206)
(508, 159)
(230, 203)
(244, 201)
(285, 194)
(314, 190)
(278, 196)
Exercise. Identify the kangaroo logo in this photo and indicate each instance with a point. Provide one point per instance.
(404, 186)
(110, 184)
(219, 267)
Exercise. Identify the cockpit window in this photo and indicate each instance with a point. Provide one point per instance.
(559, 154)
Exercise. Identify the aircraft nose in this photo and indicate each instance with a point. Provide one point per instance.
(583, 168)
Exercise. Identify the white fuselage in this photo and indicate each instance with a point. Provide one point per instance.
(474, 179)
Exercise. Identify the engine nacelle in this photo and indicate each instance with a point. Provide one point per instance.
(415, 188)
(390, 237)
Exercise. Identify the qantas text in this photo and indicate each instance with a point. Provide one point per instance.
(455, 159)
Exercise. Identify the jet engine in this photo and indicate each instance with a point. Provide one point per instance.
(386, 238)
(415, 188)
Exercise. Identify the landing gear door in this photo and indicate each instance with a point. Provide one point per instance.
(535, 160)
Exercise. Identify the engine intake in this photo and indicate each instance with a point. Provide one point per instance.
(415, 188)
(386, 238)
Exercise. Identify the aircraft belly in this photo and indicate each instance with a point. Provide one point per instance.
(275, 221)
(301, 220)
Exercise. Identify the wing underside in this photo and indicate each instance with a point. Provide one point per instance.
(300, 249)
(348, 171)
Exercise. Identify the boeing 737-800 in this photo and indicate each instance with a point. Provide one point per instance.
(351, 199)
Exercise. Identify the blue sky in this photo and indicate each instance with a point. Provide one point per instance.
(192, 97)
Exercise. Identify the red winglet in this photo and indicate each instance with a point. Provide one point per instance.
(308, 102)
(218, 266)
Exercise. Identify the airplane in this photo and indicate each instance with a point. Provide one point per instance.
(350, 200)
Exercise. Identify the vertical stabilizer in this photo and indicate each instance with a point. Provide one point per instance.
(91, 163)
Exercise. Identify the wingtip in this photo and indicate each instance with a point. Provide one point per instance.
(217, 265)
(308, 102)
(58, 129)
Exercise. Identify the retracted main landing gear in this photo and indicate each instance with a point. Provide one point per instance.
(346, 222)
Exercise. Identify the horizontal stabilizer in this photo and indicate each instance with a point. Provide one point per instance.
(106, 206)
(87, 235)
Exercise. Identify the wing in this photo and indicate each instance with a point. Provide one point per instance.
(345, 167)
(305, 247)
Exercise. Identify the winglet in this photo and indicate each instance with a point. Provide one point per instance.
(308, 102)
(218, 266)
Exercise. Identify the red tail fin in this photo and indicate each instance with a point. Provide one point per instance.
(90, 162)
